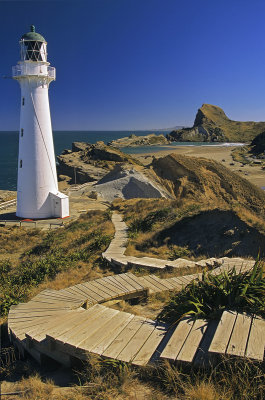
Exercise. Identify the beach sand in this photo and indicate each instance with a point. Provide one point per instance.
(222, 154)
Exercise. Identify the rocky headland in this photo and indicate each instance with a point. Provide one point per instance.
(89, 162)
(134, 141)
(212, 125)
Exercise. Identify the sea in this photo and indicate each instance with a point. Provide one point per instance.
(63, 140)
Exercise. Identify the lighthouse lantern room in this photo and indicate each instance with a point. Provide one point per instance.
(37, 185)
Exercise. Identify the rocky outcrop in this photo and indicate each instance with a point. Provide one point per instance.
(258, 144)
(134, 141)
(212, 125)
(125, 182)
(90, 162)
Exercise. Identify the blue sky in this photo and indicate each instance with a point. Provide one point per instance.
(139, 64)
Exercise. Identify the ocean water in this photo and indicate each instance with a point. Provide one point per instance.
(63, 140)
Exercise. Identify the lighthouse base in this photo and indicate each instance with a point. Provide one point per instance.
(56, 206)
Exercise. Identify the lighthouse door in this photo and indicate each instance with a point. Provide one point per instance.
(57, 207)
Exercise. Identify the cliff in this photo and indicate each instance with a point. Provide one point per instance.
(212, 125)
(134, 141)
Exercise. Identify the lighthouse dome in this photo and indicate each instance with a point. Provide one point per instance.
(33, 36)
(33, 46)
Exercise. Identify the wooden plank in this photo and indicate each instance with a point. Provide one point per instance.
(256, 340)
(57, 296)
(186, 279)
(111, 336)
(223, 333)
(123, 338)
(32, 308)
(28, 323)
(73, 293)
(202, 358)
(39, 333)
(148, 285)
(238, 341)
(109, 285)
(166, 283)
(91, 293)
(67, 294)
(104, 289)
(135, 280)
(81, 289)
(124, 283)
(137, 341)
(94, 342)
(150, 346)
(132, 282)
(96, 290)
(177, 339)
(115, 283)
(79, 293)
(67, 326)
(93, 322)
(58, 302)
(179, 282)
(177, 285)
(192, 342)
(32, 314)
(157, 282)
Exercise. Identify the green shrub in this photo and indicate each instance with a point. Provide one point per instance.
(209, 297)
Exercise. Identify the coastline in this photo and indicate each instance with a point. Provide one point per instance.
(219, 153)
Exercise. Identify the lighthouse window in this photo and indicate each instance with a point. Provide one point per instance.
(22, 132)
(20, 164)
(34, 51)
(23, 101)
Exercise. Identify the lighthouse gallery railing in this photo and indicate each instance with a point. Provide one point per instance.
(38, 70)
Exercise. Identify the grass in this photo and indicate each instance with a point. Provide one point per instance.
(209, 297)
(171, 229)
(98, 379)
(72, 253)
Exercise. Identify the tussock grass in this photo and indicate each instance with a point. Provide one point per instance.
(63, 256)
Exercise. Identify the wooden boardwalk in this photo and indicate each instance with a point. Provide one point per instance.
(71, 323)
(115, 255)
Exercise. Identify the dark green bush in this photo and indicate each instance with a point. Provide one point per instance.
(210, 296)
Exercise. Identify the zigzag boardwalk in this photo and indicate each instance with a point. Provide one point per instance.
(74, 322)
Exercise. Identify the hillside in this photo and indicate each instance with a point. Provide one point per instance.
(215, 212)
(207, 181)
(212, 125)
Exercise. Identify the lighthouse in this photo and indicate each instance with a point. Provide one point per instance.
(37, 184)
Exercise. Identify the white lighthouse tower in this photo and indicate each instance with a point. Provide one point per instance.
(37, 185)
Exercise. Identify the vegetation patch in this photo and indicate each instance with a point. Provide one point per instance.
(77, 246)
(209, 297)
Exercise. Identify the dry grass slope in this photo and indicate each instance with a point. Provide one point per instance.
(215, 213)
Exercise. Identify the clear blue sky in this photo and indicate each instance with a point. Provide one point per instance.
(140, 64)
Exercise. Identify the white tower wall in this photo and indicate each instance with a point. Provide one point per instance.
(37, 186)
